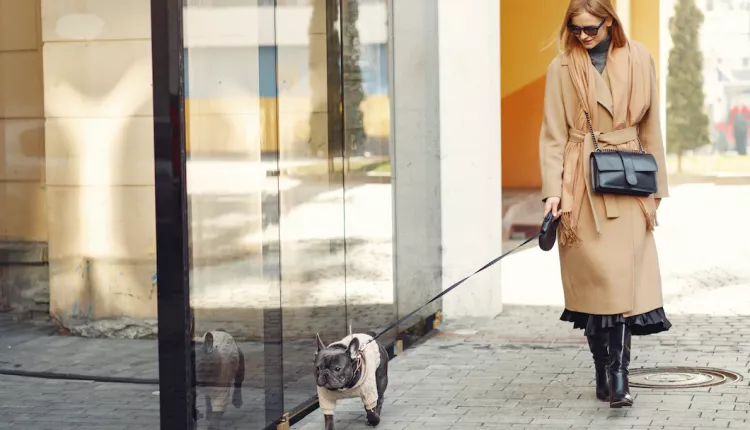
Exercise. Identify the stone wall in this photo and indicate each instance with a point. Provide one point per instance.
(100, 171)
(23, 217)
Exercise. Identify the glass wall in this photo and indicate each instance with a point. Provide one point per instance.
(78, 302)
(287, 113)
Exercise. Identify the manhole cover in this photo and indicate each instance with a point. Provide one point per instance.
(681, 377)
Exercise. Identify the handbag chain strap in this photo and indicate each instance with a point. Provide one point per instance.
(596, 145)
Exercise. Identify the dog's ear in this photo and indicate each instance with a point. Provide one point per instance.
(353, 349)
(208, 343)
(320, 343)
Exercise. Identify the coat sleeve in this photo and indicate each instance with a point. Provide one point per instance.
(553, 135)
(651, 138)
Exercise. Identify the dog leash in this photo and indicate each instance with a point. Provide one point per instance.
(449, 289)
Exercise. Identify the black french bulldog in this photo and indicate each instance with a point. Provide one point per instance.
(356, 366)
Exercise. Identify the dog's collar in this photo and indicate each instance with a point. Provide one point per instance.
(358, 368)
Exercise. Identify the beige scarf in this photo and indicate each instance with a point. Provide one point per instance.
(630, 81)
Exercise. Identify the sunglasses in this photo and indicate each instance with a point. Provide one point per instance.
(591, 30)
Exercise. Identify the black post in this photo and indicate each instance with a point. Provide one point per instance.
(176, 360)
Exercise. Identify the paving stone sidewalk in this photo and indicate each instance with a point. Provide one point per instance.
(526, 370)
(522, 370)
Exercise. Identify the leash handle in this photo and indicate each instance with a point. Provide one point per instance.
(449, 289)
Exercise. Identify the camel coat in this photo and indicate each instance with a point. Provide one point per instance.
(614, 270)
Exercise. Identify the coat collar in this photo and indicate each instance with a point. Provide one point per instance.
(603, 92)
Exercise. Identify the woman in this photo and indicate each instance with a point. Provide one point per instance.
(608, 258)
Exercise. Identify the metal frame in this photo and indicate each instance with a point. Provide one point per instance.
(392, 146)
(176, 359)
(273, 324)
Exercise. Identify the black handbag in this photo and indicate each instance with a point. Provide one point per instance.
(630, 173)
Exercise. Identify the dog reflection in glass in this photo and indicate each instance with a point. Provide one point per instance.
(219, 365)
(355, 366)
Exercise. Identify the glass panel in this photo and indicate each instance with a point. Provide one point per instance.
(370, 298)
(232, 172)
(311, 187)
(77, 225)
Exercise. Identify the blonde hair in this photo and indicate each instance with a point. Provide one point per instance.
(600, 8)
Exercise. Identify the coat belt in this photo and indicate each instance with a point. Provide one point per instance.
(612, 138)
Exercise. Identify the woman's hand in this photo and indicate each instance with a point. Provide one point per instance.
(552, 204)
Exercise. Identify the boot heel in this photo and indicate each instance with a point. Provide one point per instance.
(621, 404)
(619, 395)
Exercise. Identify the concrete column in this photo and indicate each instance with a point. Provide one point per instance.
(470, 174)
(623, 11)
(99, 144)
(446, 154)
(415, 155)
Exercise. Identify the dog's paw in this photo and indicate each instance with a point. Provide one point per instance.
(373, 418)
(237, 399)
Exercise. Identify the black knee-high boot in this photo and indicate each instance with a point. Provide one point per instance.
(598, 344)
(619, 356)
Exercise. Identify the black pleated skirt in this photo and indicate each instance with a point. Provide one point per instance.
(640, 325)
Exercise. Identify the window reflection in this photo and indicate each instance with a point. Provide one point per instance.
(231, 117)
(369, 229)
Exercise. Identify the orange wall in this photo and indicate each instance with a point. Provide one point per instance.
(528, 45)
(644, 27)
